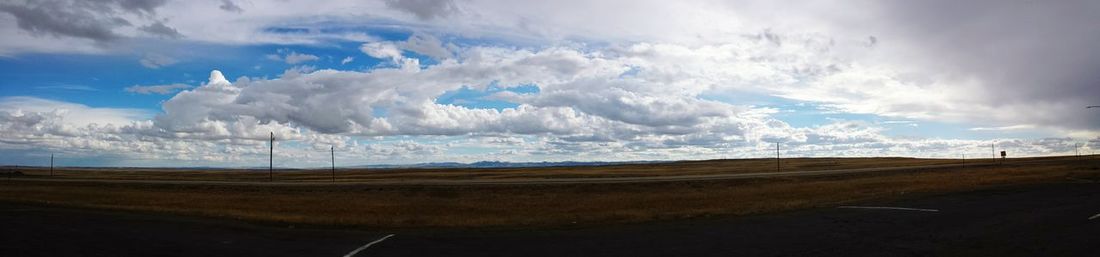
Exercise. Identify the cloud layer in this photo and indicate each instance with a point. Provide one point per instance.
(612, 81)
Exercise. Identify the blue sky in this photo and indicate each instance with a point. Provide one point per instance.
(407, 82)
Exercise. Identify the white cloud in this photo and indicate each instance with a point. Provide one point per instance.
(156, 89)
(382, 50)
(613, 82)
(74, 113)
(72, 26)
(425, 9)
(1004, 128)
(70, 87)
(428, 45)
(585, 105)
(75, 130)
(291, 57)
(347, 60)
(901, 57)
(295, 58)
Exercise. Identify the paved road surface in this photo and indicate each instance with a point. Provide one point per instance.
(1036, 220)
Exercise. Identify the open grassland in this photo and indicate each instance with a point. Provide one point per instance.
(539, 205)
(707, 167)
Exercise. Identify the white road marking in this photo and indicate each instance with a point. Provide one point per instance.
(888, 208)
(352, 253)
(1094, 216)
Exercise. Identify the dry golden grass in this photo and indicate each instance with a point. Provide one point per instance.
(530, 205)
(628, 170)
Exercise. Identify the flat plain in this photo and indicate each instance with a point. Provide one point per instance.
(349, 205)
(705, 167)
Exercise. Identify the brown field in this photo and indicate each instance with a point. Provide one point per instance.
(629, 170)
(530, 205)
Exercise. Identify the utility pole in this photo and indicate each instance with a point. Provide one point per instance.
(271, 159)
(51, 165)
(776, 156)
(1075, 144)
(333, 150)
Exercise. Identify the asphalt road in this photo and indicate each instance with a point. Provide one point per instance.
(1034, 220)
(528, 181)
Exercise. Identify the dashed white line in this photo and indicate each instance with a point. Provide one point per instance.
(1094, 216)
(352, 253)
(888, 208)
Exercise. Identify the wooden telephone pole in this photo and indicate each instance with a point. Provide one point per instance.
(776, 156)
(332, 149)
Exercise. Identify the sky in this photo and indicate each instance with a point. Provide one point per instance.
(206, 82)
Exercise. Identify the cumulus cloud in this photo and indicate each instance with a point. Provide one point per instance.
(156, 89)
(345, 102)
(614, 82)
(227, 122)
(347, 60)
(583, 101)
